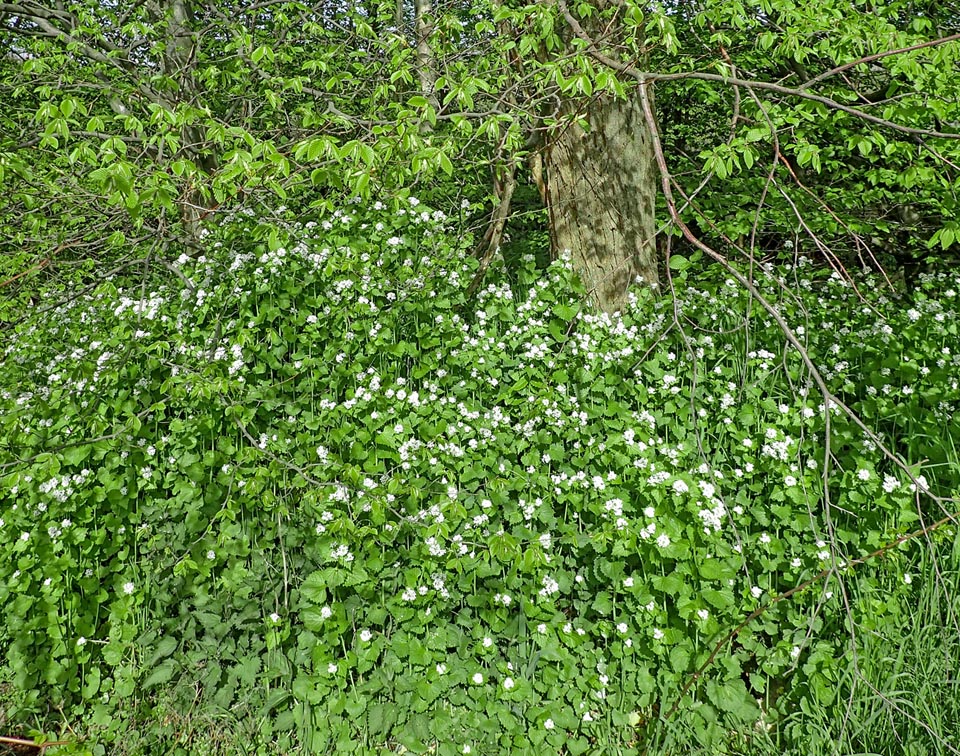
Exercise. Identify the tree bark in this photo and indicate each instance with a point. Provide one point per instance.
(176, 18)
(601, 184)
(426, 58)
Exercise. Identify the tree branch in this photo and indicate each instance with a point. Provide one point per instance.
(877, 56)
(642, 77)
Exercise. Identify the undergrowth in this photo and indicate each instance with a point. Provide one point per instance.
(297, 493)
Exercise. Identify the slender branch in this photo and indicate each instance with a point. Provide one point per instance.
(797, 589)
(642, 77)
(877, 56)
(37, 266)
(25, 743)
(490, 243)
(792, 92)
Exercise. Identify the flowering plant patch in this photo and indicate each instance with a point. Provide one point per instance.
(307, 475)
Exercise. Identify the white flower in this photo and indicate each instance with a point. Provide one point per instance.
(24, 536)
(703, 614)
(790, 481)
(487, 642)
(466, 749)
(477, 679)
(907, 578)
(649, 512)
(332, 668)
(275, 618)
(663, 540)
(622, 627)
(863, 474)
(81, 641)
(550, 586)
(628, 582)
(680, 487)
(441, 669)
(795, 652)
(128, 588)
(365, 635)
(326, 612)
(757, 591)
(548, 725)
(764, 538)
(508, 683)
(211, 554)
(541, 628)
(657, 633)
(409, 594)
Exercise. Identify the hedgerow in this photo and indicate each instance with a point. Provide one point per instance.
(300, 475)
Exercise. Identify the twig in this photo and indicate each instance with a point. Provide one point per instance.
(25, 743)
(878, 56)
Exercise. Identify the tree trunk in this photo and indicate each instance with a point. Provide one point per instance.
(601, 186)
(176, 18)
(426, 59)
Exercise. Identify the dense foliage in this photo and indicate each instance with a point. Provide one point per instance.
(300, 478)
(284, 467)
(800, 121)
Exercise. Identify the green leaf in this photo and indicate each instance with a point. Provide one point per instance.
(679, 263)
(672, 585)
(947, 237)
(733, 697)
(445, 165)
(312, 619)
(166, 646)
(91, 682)
(314, 588)
(74, 455)
(162, 674)
(717, 599)
(602, 604)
